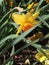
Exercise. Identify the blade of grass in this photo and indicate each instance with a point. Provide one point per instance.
(45, 17)
(47, 36)
(6, 38)
(43, 21)
(4, 24)
(44, 9)
(24, 34)
(29, 2)
(40, 2)
(18, 38)
(39, 47)
(7, 14)
(15, 25)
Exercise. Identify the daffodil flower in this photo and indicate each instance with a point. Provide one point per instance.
(40, 57)
(22, 20)
(36, 36)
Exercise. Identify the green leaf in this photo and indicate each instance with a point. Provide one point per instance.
(44, 9)
(39, 47)
(46, 36)
(7, 14)
(15, 25)
(45, 17)
(3, 24)
(6, 38)
(18, 38)
(43, 21)
(1, 1)
(40, 2)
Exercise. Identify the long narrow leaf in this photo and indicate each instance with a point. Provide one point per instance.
(19, 38)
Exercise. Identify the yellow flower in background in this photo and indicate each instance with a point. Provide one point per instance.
(47, 1)
(32, 5)
(36, 36)
(26, 18)
(40, 57)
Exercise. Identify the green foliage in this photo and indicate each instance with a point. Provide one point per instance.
(8, 29)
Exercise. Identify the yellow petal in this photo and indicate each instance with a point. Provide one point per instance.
(35, 22)
(40, 57)
(28, 15)
(30, 5)
(35, 15)
(17, 18)
(31, 17)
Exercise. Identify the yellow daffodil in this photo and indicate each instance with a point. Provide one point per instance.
(36, 36)
(23, 19)
(32, 5)
(40, 57)
(47, 1)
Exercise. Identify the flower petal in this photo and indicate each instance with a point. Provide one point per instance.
(40, 57)
(17, 18)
